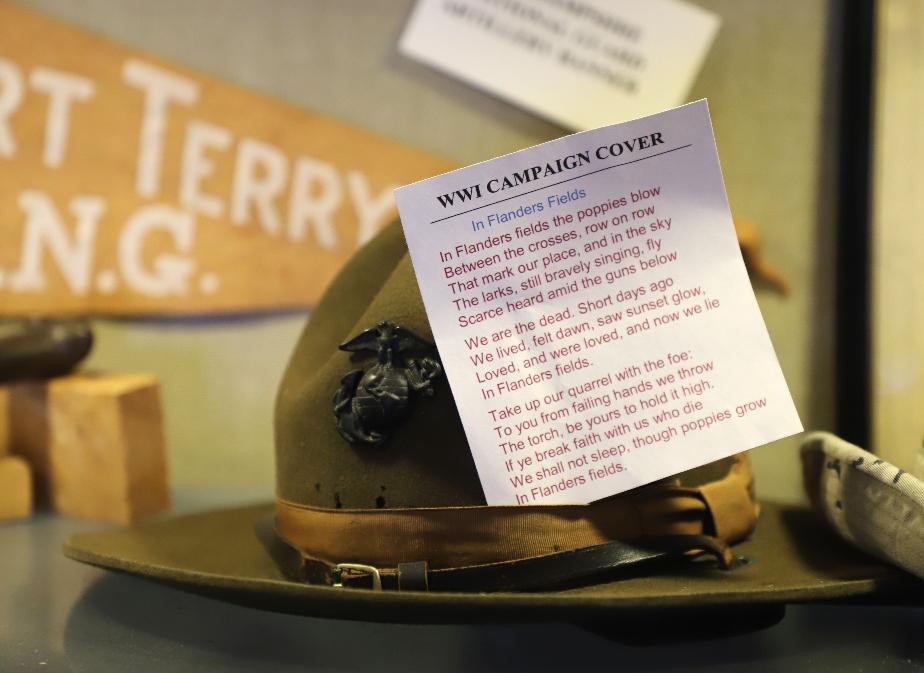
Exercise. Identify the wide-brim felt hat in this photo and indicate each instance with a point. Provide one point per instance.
(396, 491)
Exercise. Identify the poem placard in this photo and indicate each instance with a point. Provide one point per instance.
(593, 313)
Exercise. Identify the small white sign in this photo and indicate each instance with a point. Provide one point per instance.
(580, 64)
(593, 313)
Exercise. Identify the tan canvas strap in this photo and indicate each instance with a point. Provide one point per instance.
(731, 502)
(448, 537)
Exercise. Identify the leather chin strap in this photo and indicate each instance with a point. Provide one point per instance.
(603, 562)
(512, 548)
(570, 568)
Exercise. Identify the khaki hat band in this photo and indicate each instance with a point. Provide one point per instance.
(461, 536)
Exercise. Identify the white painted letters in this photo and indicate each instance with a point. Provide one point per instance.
(45, 229)
(196, 165)
(170, 275)
(370, 211)
(315, 197)
(62, 89)
(10, 100)
(161, 88)
(261, 191)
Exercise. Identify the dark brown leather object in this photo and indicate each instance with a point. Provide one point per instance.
(35, 348)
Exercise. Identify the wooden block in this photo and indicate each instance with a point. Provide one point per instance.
(15, 488)
(95, 442)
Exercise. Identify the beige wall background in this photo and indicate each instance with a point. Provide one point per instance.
(898, 237)
(768, 84)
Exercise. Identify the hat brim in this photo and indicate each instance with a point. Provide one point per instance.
(793, 558)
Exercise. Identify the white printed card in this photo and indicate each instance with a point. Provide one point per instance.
(592, 311)
(580, 64)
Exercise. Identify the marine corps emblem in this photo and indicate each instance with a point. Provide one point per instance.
(370, 403)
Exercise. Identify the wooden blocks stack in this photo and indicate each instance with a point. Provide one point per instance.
(15, 475)
(95, 443)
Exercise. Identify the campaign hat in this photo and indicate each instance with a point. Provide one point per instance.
(361, 500)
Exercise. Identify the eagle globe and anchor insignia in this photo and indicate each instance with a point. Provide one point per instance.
(370, 403)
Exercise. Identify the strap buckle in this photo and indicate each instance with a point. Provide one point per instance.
(338, 570)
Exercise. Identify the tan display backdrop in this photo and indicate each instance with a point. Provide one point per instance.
(898, 236)
(135, 186)
(768, 83)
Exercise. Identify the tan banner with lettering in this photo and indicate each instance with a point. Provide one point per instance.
(133, 186)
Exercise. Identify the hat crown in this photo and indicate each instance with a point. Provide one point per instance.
(425, 461)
